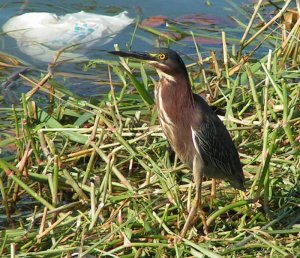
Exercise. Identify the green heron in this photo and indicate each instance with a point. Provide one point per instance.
(194, 131)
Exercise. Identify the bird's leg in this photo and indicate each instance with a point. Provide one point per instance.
(198, 197)
(197, 203)
(212, 192)
(192, 214)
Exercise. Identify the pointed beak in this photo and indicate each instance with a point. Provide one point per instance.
(138, 55)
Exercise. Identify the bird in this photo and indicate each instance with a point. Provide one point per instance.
(40, 34)
(194, 131)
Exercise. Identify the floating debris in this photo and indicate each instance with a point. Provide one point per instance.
(40, 34)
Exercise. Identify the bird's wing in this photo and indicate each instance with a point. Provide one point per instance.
(214, 144)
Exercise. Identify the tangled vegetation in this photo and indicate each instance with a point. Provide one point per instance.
(99, 179)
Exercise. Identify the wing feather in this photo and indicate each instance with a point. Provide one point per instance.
(215, 146)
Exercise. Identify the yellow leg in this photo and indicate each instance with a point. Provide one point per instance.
(190, 218)
(200, 210)
(197, 202)
(212, 192)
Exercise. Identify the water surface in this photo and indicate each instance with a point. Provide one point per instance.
(217, 13)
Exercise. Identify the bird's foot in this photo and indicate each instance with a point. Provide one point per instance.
(189, 221)
(203, 218)
(195, 212)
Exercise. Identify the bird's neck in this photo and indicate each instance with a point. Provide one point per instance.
(174, 95)
(173, 92)
(175, 104)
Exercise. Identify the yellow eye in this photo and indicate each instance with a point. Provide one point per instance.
(162, 56)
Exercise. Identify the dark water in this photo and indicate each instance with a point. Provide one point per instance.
(217, 13)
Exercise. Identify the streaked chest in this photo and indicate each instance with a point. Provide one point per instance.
(175, 112)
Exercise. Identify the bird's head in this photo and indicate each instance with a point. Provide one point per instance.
(166, 61)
